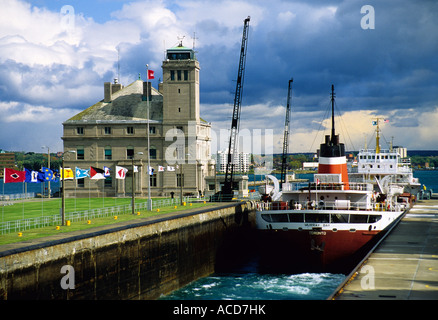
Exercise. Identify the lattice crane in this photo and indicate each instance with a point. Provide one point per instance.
(286, 135)
(227, 191)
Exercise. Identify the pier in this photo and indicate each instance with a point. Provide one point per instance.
(404, 265)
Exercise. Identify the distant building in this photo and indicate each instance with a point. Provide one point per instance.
(241, 160)
(7, 160)
(113, 132)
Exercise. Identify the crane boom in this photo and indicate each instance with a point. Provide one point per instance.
(228, 184)
(286, 135)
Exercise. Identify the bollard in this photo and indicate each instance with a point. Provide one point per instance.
(88, 221)
(158, 210)
(57, 228)
(115, 217)
(20, 234)
(184, 203)
(138, 213)
(190, 204)
(175, 207)
(205, 202)
(68, 223)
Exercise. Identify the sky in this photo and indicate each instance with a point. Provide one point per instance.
(381, 57)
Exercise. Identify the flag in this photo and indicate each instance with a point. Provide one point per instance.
(96, 173)
(107, 172)
(82, 173)
(11, 175)
(160, 168)
(151, 171)
(67, 173)
(49, 175)
(151, 74)
(33, 176)
(121, 172)
(169, 168)
(386, 120)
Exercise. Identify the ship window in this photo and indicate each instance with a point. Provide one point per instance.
(339, 218)
(358, 218)
(266, 217)
(279, 217)
(296, 217)
(317, 217)
(374, 218)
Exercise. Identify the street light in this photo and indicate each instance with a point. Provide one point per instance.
(48, 166)
(62, 189)
(133, 178)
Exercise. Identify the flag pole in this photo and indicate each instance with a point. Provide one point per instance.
(149, 151)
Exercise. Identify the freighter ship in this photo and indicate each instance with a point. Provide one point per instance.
(326, 224)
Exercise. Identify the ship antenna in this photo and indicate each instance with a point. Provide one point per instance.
(333, 114)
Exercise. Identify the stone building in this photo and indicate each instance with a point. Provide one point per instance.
(114, 132)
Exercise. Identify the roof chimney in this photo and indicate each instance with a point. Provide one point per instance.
(107, 92)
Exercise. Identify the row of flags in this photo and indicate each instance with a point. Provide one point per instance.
(47, 174)
(384, 121)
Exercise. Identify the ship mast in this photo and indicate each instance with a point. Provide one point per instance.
(333, 137)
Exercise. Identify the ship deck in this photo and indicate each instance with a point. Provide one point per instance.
(404, 266)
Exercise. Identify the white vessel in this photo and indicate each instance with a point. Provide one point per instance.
(385, 168)
(325, 224)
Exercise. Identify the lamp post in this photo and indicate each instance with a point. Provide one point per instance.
(62, 189)
(48, 166)
(133, 185)
(149, 144)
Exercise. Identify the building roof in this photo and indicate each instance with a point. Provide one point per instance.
(126, 104)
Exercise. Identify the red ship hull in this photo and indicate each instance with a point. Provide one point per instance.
(314, 250)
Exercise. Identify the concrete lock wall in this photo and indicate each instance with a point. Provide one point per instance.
(140, 260)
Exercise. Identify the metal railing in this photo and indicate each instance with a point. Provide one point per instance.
(330, 205)
(52, 220)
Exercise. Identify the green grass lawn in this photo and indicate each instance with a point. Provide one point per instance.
(84, 225)
(46, 207)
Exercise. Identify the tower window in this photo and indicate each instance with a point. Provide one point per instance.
(186, 75)
(179, 74)
(80, 130)
(130, 130)
(172, 75)
(107, 130)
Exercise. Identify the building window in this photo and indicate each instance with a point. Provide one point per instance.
(152, 130)
(179, 180)
(80, 130)
(130, 130)
(186, 75)
(108, 153)
(107, 130)
(80, 183)
(172, 75)
(179, 74)
(80, 153)
(108, 182)
(129, 152)
(153, 153)
(153, 180)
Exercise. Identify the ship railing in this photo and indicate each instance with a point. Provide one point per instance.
(330, 205)
(358, 186)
